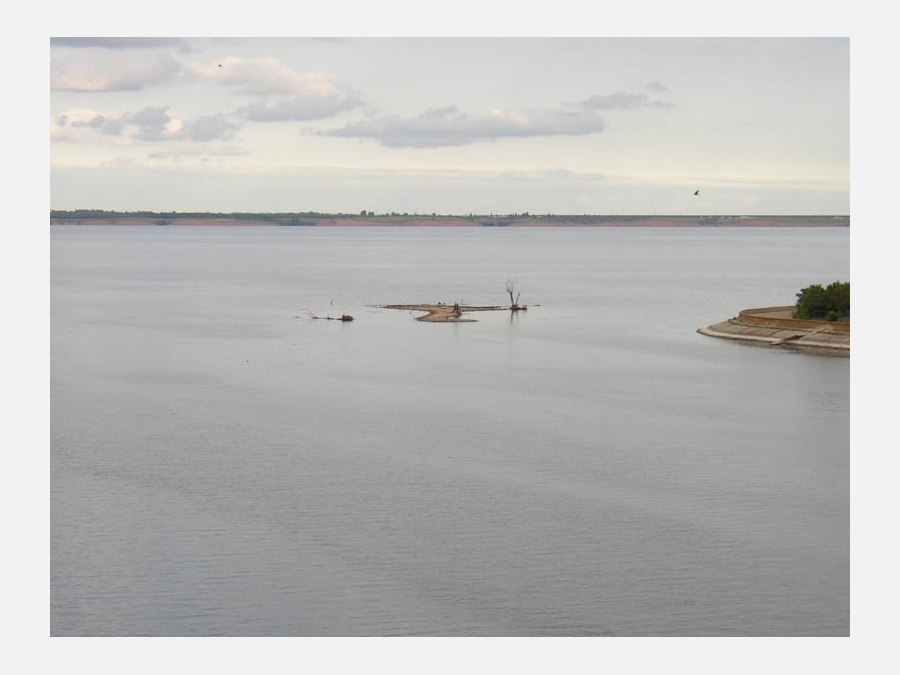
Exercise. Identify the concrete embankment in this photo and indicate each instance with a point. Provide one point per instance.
(776, 327)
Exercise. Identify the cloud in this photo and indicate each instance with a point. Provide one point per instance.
(284, 92)
(65, 126)
(204, 153)
(210, 128)
(622, 101)
(95, 122)
(297, 108)
(102, 124)
(182, 44)
(262, 77)
(96, 71)
(449, 126)
(152, 123)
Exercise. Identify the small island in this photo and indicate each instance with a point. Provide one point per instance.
(441, 313)
(819, 322)
(453, 313)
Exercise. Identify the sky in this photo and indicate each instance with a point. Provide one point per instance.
(502, 125)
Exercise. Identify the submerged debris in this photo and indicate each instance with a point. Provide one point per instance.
(342, 317)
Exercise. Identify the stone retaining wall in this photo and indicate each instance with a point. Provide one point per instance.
(769, 317)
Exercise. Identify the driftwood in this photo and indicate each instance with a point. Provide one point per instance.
(342, 317)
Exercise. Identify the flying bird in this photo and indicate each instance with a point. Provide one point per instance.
(696, 192)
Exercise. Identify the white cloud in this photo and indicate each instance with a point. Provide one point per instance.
(265, 77)
(286, 93)
(97, 71)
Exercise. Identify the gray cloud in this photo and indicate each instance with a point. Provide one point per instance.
(449, 126)
(151, 122)
(99, 123)
(211, 128)
(182, 44)
(151, 116)
(297, 108)
(154, 123)
(622, 101)
(96, 122)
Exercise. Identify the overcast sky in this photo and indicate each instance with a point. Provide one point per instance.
(451, 125)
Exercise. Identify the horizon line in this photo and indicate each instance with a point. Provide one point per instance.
(395, 214)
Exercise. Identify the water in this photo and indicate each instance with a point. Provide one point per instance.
(221, 464)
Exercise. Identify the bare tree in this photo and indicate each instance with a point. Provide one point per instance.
(513, 295)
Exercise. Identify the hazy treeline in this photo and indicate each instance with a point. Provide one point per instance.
(492, 219)
(94, 214)
(212, 215)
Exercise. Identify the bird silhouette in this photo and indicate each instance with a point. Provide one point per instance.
(696, 192)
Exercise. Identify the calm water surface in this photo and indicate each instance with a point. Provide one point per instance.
(221, 464)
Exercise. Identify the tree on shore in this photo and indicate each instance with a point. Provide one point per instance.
(831, 303)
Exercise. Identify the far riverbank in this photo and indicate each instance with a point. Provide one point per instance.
(78, 218)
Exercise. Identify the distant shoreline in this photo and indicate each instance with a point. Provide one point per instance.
(290, 220)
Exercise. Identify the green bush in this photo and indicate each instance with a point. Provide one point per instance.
(831, 303)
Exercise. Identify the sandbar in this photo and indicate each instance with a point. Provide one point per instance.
(441, 313)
